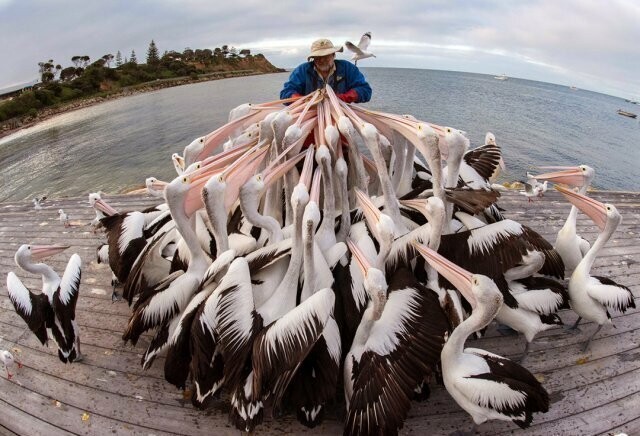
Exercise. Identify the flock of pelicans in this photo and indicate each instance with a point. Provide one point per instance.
(367, 280)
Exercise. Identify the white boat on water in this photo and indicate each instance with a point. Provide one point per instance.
(502, 76)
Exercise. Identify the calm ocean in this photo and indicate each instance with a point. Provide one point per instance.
(114, 146)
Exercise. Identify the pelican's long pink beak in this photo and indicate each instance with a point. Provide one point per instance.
(593, 208)
(361, 259)
(42, 251)
(307, 168)
(370, 211)
(568, 175)
(418, 204)
(158, 185)
(459, 277)
(104, 207)
(273, 174)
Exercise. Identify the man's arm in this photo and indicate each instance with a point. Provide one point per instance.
(295, 84)
(356, 82)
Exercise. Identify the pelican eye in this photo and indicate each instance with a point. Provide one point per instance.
(198, 166)
(185, 180)
(201, 140)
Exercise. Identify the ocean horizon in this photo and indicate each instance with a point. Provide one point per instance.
(114, 146)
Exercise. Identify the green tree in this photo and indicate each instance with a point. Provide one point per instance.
(153, 58)
(132, 57)
(108, 58)
(118, 59)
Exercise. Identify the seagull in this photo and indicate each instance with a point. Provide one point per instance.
(360, 50)
(64, 218)
(531, 191)
(37, 202)
(8, 360)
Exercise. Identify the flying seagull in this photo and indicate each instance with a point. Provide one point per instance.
(359, 51)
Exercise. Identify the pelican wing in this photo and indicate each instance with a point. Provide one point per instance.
(540, 294)
(70, 285)
(176, 364)
(314, 384)
(485, 160)
(156, 308)
(32, 308)
(506, 387)
(403, 347)
(150, 267)
(284, 344)
(236, 319)
(611, 294)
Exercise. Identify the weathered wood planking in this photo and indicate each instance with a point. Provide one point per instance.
(593, 393)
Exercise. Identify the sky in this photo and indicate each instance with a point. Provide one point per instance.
(590, 44)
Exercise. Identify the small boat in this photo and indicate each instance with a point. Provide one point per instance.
(573, 88)
(627, 114)
(502, 76)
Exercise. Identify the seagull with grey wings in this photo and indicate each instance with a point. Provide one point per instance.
(360, 50)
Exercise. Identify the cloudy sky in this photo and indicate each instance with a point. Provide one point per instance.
(591, 44)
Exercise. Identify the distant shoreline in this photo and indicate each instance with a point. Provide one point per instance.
(15, 125)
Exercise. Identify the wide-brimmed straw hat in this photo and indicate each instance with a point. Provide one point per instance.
(322, 47)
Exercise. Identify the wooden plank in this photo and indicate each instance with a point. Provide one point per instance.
(16, 421)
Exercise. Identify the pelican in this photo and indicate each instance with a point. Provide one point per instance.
(396, 345)
(50, 314)
(592, 296)
(569, 244)
(155, 187)
(485, 385)
(360, 51)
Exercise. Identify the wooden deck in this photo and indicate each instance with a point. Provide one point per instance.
(108, 393)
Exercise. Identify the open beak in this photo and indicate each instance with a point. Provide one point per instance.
(459, 277)
(593, 208)
(105, 208)
(178, 161)
(568, 175)
(42, 251)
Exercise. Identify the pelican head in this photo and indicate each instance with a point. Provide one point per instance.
(602, 214)
(580, 176)
(28, 252)
(375, 283)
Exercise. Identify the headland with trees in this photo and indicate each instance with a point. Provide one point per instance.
(84, 82)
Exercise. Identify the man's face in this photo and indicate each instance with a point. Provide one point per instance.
(324, 63)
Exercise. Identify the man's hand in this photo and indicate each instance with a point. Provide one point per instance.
(351, 96)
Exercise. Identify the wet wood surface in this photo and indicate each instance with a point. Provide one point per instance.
(592, 393)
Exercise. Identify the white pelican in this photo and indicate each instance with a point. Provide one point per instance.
(50, 314)
(569, 244)
(485, 385)
(360, 51)
(155, 187)
(397, 344)
(592, 296)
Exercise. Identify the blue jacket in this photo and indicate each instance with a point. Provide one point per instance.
(304, 80)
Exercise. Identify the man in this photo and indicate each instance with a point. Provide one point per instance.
(323, 68)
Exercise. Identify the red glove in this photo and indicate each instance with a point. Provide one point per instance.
(351, 96)
(295, 94)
